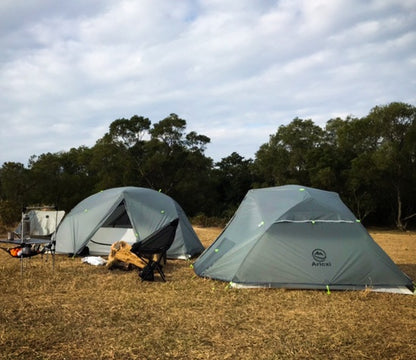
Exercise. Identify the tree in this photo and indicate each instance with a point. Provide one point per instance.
(195, 142)
(394, 157)
(14, 189)
(174, 162)
(164, 152)
(170, 131)
(286, 158)
(112, 164)
(234, 176)
(61, 179)
(129, 132)
(347, 145)
(271, 164)
(45, 178)
(119, 153)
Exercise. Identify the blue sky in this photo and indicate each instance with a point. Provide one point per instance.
(234, 70)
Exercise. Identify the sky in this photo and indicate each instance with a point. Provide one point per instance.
(234, 70)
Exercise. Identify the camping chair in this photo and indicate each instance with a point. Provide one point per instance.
(152, 250)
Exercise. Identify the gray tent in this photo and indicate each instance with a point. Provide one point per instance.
(298, 237)
(127, 213)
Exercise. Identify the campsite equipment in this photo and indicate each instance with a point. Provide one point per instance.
(34, 233)
(126, 213)
(94, 260)
(153, 249)
(298, 237)
(28, 248)
(40, 221)
(121, 257)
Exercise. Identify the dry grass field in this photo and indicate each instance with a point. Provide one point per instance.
(80, 311)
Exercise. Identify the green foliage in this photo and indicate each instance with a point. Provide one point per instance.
(233, 178)
(129, 132)
(369, 161)
(169, 131)
(61, 179)
(14, 180)
(394, 157)
(9, 214)
(287, 155)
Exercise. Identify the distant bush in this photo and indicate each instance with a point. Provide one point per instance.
(208, 221)
(9, 213)
(3, 230)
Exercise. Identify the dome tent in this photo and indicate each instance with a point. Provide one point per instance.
(298, 237)
(125, 213)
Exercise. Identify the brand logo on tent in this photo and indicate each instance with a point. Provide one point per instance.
(319, 256)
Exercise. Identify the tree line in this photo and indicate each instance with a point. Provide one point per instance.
(369, 161)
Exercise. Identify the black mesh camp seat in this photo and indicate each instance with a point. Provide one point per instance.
(152, 250)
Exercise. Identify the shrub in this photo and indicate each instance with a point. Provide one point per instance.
(205, 221)
(9, 213)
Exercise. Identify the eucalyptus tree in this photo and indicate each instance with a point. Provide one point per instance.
(61, 179)
(118, 155)
(175, 163)
(348, 145)
(14, 188)
(14, 182)
(394, 160)
(45, 178)
(129, 132)
(161, 156)
(234, 177)
(111, 163)
(287, 157)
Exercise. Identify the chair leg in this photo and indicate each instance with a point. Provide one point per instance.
(160, 270)
(147, 273)
(153, 263)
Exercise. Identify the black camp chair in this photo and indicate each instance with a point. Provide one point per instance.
(155, 245)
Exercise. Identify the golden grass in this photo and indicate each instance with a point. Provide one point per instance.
(79, 311)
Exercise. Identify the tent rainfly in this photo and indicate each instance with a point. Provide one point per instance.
(298, 237)
(126, 213)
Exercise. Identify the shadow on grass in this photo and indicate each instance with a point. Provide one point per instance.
(409, 270)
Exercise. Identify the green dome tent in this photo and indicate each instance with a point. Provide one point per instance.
(125, 213)
(298, 237)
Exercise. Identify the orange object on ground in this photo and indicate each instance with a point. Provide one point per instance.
(15, 251)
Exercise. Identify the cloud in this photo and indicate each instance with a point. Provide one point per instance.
(235, 71)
